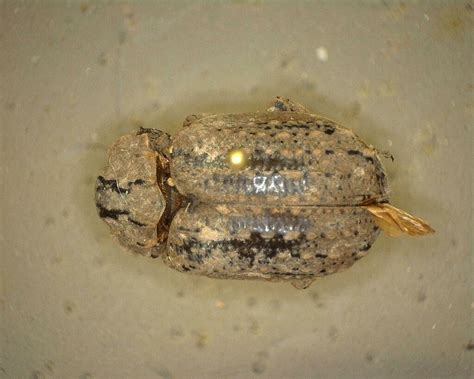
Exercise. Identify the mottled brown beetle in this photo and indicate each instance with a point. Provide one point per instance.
(277, 195)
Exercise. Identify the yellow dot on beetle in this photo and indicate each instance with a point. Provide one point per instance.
(237, 159)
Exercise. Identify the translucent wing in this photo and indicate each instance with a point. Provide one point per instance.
(395, 222)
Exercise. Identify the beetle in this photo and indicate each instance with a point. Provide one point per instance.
(279, 195)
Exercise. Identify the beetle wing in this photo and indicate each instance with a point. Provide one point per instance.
(396, 222)
(270, 243)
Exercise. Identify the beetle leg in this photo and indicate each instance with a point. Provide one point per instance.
(302, 284)
(280, 104)
(194, 117)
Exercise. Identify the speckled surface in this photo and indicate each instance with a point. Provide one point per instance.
(75, 76)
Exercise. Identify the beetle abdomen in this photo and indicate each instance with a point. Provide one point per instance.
(289, 158)
(269, 243)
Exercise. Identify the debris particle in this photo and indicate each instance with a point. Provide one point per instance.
(322, 54)
(220, 304)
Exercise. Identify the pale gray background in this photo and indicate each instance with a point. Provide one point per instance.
(76, 75)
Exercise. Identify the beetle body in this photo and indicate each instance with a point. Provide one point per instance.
(275, 195)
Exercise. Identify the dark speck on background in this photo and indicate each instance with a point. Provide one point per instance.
(102, 59)
(275, 304)
(10, 105)
(251, 302)
(469, 345)
(49, 365)
(84, 7)
(421, 296)
(49, 220)
(37, 374)
(176, 332)
(180, 293)
(68, 307)
(164, 373)
(369, 357)
(332, 332)
(201, 340)
(254, 327)
(258, 367)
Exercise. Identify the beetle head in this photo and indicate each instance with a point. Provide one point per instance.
(133, 195)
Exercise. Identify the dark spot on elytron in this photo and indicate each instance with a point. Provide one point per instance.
(137, 182)
(366, 247)
(328, 129)
(369, 159)
(354, 152)
(138, 223)
(280, 105)
(110, 213)
(322, 235)
(381, 178)
(108, 184)
(185, 268)
(140, 244)
(246, 249)
(356, 233)
(321, 255)
(327, 174)
(328, 152)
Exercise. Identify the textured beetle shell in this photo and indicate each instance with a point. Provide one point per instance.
(293, 159)
(290, 214)
(284, 243)
(294, 210)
